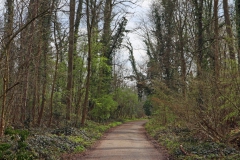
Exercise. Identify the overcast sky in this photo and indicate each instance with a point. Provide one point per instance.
(133, 21)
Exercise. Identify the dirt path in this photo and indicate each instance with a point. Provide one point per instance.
(125, 142)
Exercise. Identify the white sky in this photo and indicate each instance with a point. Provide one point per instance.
(136, 40)
(133, 20)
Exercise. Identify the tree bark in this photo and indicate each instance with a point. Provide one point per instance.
(237, 4)
(200, 45)
(107, 30)
(199, 21)
(70, 60)
(45, 36)
(6, 54)
(89, 29)
(229, 30)
(54, 76)
(216, 43)
(76, 30)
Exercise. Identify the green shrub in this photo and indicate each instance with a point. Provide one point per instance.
(23, 134)
(104, 107)
(4, 146)
(22, 153)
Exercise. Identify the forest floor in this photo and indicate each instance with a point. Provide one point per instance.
(50, 143)
(127, 141)
(111, 140)
(185, 144)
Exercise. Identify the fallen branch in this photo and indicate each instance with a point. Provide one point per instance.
(183, 150)
(10, 89)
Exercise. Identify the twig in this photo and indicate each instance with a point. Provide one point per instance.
(183, 150)
(10, 89)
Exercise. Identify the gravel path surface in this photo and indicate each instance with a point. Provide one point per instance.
(125, 142)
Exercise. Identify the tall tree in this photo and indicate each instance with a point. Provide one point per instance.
(199, 22)
(56, 38)
(70, 60)
(181, 18)
(76, 35)
(106, 41)
(237, 5)
(229, 30)
(5, 58)
(216, 37)
(106, 37)
(90, 20)
(45, 37)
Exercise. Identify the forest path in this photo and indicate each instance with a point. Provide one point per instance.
(125, 142)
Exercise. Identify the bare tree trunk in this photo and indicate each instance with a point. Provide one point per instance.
(216, 44)
(200, 44)
(55, 71)
(216, 64)
(4, 99)
(183, 64)
(36, 87)
(237, 4)
(89, 29)
(43, 99)
(76, 25)
(70, 60)
(229, 30)
(6, 54)
(199, 15)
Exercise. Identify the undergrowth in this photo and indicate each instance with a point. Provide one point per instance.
(50, 144)
(184, 144)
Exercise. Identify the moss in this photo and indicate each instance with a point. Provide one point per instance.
(76, 139)
(79, 149)
(114, 124)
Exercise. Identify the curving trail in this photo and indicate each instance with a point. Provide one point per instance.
(125, 142)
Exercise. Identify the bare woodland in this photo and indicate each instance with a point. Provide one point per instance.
(57, 64)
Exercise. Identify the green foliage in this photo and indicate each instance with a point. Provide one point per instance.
(48, 145)
(4, 150)
(104, 107)
(23, 134)
(114, 124)
(101, 76)
(24, 155)
(128, 104)
(148, 107)
(61, 77)
(20, 137)
(80, 140)
(79, 149)
(4, 146)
